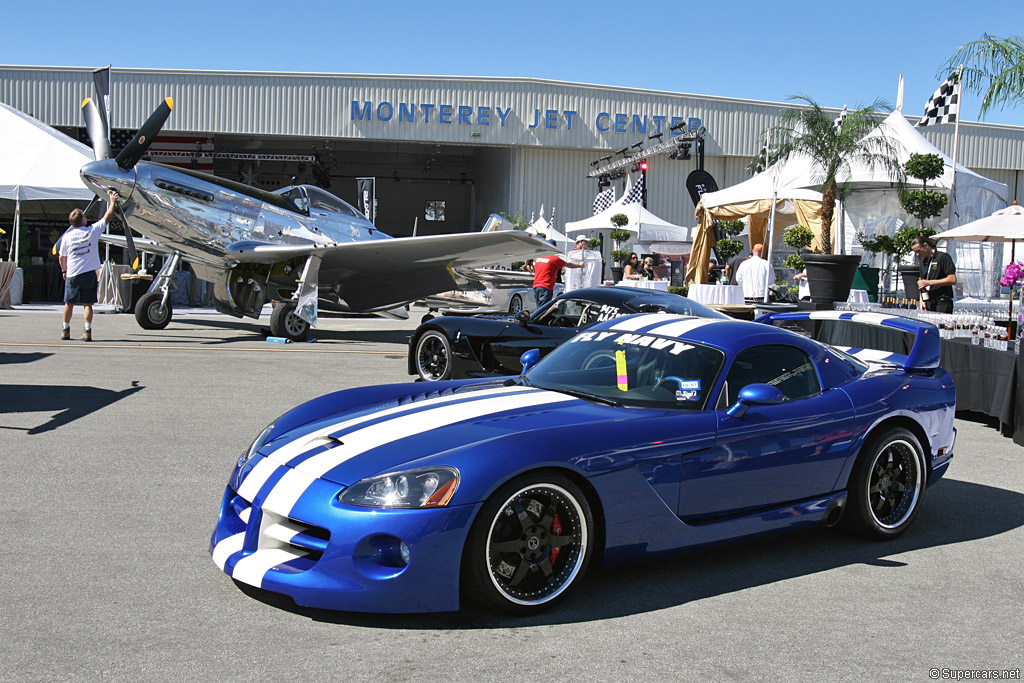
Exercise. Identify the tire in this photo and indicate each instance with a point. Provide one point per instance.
(530, 545)
(433, 356)
(284, 323)
(886, 485)
(150, 314)
(515, 305)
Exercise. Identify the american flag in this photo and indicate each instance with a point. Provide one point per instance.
(944, 104)
(636, 193)
(603, 200)
(184, 151)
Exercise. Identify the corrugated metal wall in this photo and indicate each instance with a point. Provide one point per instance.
(549, 161)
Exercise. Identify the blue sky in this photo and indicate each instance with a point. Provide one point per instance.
(838, 53)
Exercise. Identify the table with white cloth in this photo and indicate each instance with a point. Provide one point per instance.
(659, 285)
(858, 296)
(718, 295)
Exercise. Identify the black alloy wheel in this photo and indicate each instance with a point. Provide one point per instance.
(886, 485)
(433, 356)
(149, 312)
(530, 544)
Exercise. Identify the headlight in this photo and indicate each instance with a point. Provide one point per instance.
(263, 438)
(425, 488)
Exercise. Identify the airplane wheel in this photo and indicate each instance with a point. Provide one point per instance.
(285, 323)
(150, 314)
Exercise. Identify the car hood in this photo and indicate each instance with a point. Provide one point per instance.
(351, 445)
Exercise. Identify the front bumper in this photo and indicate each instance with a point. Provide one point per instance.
(326, 554)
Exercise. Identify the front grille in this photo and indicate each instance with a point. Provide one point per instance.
(299, 538)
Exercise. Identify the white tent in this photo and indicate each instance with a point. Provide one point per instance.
(642, 223)
(872, 203)
(37, 163)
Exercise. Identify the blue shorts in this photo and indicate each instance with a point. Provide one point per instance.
(81, 288)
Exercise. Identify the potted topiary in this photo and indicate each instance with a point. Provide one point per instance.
(922, 204)
(877, 244)
(619, 237)
(727, 248)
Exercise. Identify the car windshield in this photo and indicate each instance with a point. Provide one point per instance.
(632, 370)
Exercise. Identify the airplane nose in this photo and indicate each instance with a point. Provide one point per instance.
(105, 175)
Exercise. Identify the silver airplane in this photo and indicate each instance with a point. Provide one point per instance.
(299, 246)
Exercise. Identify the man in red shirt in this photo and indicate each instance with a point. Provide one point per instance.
(545, 274)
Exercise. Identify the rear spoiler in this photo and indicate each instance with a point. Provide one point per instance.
(924, 354)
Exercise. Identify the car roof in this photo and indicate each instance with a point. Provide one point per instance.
(729, 334)
(623, 295)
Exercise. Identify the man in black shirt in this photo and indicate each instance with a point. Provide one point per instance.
(936, 277)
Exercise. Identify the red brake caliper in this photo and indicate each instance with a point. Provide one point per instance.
(556, 530)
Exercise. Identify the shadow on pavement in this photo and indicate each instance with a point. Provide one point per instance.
(71, 402)
(13, 358)
(952, 512)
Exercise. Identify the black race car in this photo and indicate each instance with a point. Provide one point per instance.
(457, 347)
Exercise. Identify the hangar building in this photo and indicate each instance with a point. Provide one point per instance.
(445, 151)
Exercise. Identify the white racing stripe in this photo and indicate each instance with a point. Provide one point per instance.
(634, 324)
(256, 478)
(226, 548)
(288, 451)
(682, 326)
(252, 568)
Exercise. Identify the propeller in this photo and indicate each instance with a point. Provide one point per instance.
(97, 129)
(134, 150)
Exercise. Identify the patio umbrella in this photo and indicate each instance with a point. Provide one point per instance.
(1004, 225)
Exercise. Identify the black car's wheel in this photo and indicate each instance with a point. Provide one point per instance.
(433, 356)
(530, 544)
(515, 304)
(886, 485)
(285, 323)
(149, 312)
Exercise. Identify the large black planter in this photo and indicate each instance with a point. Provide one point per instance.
(830, 276)
(617, 273)
(910, 274)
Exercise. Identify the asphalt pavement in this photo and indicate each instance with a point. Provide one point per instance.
(114, 458)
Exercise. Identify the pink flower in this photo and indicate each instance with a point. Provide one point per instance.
(1012, 274)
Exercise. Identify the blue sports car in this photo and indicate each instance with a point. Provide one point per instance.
(638, 437)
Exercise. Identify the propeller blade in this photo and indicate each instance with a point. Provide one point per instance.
(97, 130)
(133, 255)
(134, 150)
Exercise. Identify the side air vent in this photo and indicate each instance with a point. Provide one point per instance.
(185, 191)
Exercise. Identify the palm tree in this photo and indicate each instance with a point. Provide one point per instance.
(993, 68)
(833, 148)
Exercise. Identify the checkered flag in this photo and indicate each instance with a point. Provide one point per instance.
(636, 193)
(944, 105)
(603, 200)
(841, 119)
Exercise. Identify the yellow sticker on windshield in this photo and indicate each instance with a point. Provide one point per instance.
(620, 370)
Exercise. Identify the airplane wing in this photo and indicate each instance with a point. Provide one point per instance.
(383, 273)
(142, 244)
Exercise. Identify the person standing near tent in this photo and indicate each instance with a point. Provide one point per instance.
(755, 274)
(545, 274)
(79, 261)
(937, 275)
(733, 267)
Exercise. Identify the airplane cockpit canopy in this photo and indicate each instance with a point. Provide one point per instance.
(302, 198)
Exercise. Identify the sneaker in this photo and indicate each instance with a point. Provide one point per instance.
(86, 335)
(65, 334)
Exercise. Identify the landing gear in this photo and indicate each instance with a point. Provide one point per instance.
(151, 312)
(285, 323)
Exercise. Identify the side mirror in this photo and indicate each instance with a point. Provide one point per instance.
(522, 318)
(529, 359)
(756, 394)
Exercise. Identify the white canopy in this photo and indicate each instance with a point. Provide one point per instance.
(38, 162)
(642, 223)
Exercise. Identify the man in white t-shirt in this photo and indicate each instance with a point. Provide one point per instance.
(755, 274)
(79, 261)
